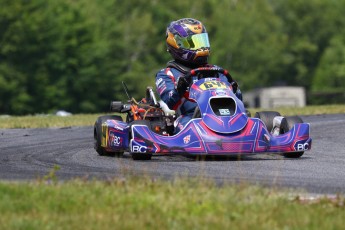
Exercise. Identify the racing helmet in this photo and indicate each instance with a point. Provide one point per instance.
(187, 41)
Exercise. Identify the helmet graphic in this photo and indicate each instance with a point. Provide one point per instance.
(187, 41)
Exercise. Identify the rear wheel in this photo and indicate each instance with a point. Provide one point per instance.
(267, 118)
(248, 113)
(140, 156)
(97, 135)
(286, 125)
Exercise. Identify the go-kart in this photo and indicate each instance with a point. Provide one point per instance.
(220, 125)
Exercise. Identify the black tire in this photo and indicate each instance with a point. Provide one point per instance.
(248, 113)
(290, 122)
(140, 156)
(267, 118)
(286, 125)
(197, 113)
(97, 135)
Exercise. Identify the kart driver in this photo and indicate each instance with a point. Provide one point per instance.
(187, 42)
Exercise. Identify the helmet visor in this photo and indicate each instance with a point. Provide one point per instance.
(193, 42)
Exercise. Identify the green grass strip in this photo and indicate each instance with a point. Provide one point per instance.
(47, 121)
(145, 203)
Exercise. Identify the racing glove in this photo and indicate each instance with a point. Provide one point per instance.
(182, 85)
(236, 90)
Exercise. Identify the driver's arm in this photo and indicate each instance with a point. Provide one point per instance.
(238, 92)
(165, 85)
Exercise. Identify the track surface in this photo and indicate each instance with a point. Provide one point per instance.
(27, 154)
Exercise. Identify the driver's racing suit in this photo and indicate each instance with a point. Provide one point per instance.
(166, 85)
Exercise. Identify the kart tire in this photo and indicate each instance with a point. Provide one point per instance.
(248, 113)
(98, 135)
(267, 118)
(197, 113)
(140, 156)
(290, 122)
(286, 125)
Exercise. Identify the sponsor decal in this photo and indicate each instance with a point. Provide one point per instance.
(161, 89)
(125, 107)
(159, 81)
(220, 92)
(139, 149)
(186, 139)
(104, 134)
(224, 112)
(209, 79)
(195, 28)
(213, 85)
(114, 140)
(171, 93)
(118, 127)
(301, 146)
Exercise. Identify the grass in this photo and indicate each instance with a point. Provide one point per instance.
(145, 203)
(45, 121)
(310, 110)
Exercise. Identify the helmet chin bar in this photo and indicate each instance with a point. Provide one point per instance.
(190, 58)
(202, 53)
(201, 60)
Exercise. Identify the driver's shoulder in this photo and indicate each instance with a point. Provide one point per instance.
(169, 71)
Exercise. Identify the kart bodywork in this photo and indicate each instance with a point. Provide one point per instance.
(220, 126)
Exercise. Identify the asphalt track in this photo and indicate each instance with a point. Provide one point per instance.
(28, 154)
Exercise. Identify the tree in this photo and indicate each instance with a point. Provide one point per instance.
(330, 73)
(73, 55)
(247, 38)
(309, 26)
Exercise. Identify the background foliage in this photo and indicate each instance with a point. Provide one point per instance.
(73, 55)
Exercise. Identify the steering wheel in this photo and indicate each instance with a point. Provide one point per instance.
(205, 72)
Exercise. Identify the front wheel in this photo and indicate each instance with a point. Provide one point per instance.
(267, 118)
(286, 125)
(140, 156)
(98, 132)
